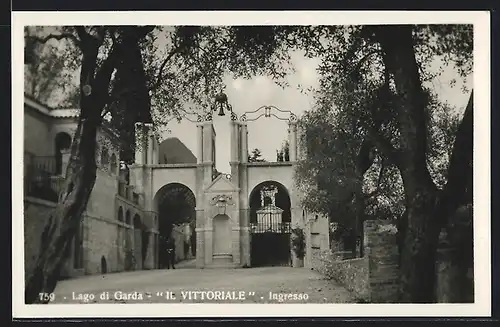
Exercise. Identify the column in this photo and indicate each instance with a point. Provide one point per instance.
(234, 141)
(139, 144)
(200, 239)
(149, 261)
(199, 145)
(293, 141)
(149, 158)
(155, 150)
(244, 143)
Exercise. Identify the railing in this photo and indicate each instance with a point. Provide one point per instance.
(46, 164)
(282, 228)
(40, 178)
(127, 192)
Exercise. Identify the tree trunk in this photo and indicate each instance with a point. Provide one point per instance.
(80, 175)
(419, 251)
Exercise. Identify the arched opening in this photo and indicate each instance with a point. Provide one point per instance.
(104, 265)
(62, 142)
(176, 207)
(127, 217)
(113, 164)
(270, 220)
(120, 214)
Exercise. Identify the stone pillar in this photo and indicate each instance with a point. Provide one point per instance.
(149, 261)
(308, 256)
(244, 143)
(383, 266)
(301, 146)
(208, 245)
(200, 239)
(208, 159)
(234, 141)
(66, 155)
(292, 136)
(149, 144)
(156, 151)
(199, 144)
(140, 144)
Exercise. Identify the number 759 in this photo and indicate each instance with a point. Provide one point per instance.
(47, 297)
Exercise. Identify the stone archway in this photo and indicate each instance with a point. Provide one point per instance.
(270, 225)
(176, 205)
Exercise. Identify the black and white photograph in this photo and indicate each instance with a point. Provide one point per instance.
(251, 163)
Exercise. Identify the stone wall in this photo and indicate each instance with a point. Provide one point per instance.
(352, 274)
(383, 258)
(36, 215)
(37, 140)
(100, 241)
(373, 278)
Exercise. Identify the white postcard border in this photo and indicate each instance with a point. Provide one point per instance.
(482, 236)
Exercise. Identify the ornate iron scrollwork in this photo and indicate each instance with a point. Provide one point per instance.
(268, 112)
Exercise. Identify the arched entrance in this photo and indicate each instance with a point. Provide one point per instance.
(270, 219)
(176, 207)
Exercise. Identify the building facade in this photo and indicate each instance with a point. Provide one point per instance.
(113, 234)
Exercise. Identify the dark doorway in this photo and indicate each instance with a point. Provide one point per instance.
(176, 205)
(270, 218)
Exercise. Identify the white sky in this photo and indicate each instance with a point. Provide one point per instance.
(267, 134)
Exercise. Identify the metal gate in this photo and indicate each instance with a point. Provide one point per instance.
(270, 244)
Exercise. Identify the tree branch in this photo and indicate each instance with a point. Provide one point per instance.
(159, 76)
(384, 146)
(379, 181)
(58, 37)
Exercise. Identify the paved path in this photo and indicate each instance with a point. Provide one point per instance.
(252, 285)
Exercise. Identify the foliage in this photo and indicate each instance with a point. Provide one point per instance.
(256, 156)
(46, 77)
(335, 129)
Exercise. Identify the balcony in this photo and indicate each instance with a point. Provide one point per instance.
(41, 177)
(127, 192)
